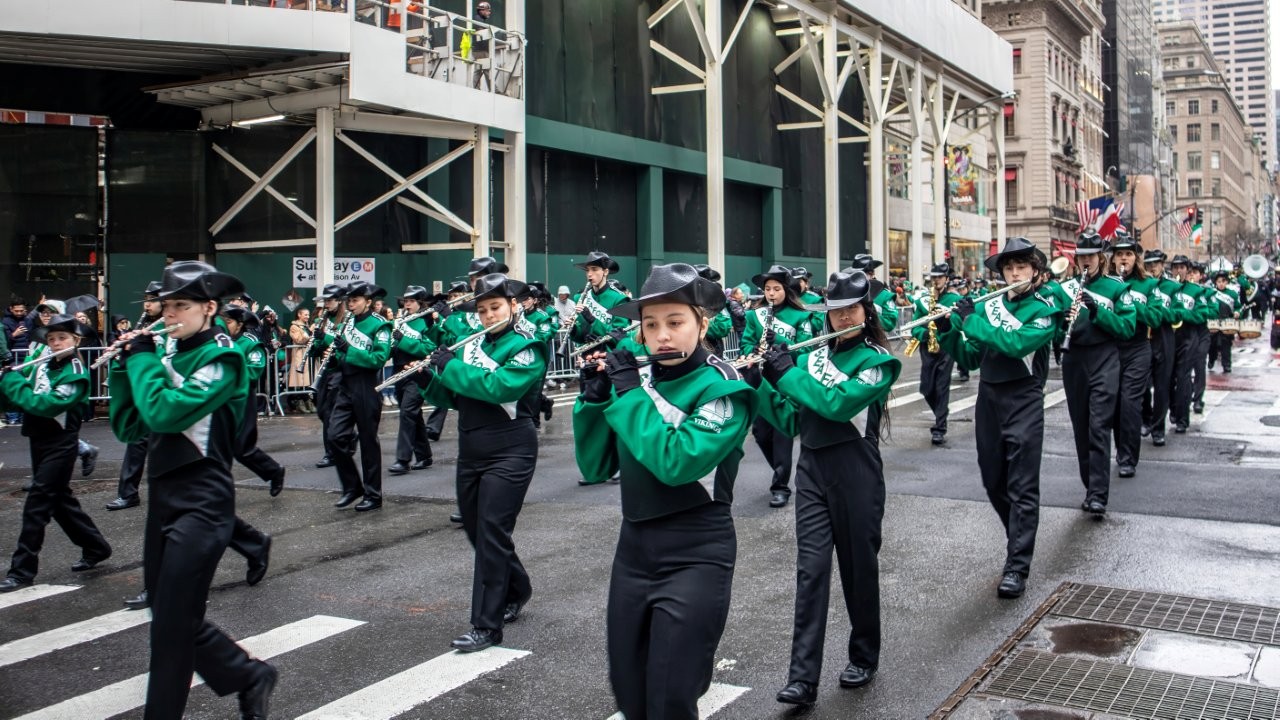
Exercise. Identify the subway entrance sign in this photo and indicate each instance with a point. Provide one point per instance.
(345, 270)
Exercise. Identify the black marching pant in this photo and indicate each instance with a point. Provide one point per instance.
(839, 503)
(411, 441)
(1220, 347)
(135, 460)
(777, 448)
(1199, 363)
(1009, 428)
(935, 386)
(668, 601)
(190, 518)
(1135, 378)
(326, 396)
(1155, 401)
(1090, 375)
(1185, 342)
(435, 422)
(247, 540)
(50, 499)
(495, 466)
(248, 453)
(357, 410)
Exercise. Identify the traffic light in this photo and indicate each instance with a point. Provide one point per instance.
(1199, 216)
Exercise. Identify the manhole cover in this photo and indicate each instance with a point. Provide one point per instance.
(1271, 420)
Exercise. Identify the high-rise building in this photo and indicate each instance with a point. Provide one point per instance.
(1130, 64)
(1237, 33)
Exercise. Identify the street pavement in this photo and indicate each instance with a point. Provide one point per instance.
(357, 610)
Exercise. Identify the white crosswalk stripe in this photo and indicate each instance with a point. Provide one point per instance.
(904, 400)
(64, 637)
(419, 684)
(718, 696)
(35, 592)
(1054, 398)
(128, 694)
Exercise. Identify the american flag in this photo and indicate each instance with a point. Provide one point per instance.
(1087, 214)
(1184, 227)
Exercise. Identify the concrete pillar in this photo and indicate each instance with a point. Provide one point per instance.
(324, 197)
(480, 192)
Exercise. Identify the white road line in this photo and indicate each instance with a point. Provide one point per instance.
(1054, 398)
(964, 404)
(64, 637)
(128, 694)
(404, 691)
(35, 592)
(1212, 399)
(718, 696)
(905, 399)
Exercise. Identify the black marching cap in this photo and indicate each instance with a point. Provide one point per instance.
(865, 262)
(360, 288)
(153, 290)
(1089, 243)
(538, 290)
(242, 315)
(416, 292)
(499, 285)
(708, 272)
(485, 266)
(844, 288)
(458, 286)
(1182, 260)
(196, 280)
(1154, 255)
(1013, 247)
(939, 270)
(776, 272)
(332, 291)
(1125, 241)
(600, 260)
(65, 323)
(801, 272)
(675, 283)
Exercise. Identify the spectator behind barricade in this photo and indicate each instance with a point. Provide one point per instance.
(16, 332)
(119, 326)
(91, 337)
(737, 313)
(564, 301)
(298, 381)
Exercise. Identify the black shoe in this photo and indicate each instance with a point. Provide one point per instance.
(10, 584)
(548, 408)
(85, 563)
(255, 700)
(854, 676)
(798, 692)
(1180, 428)
(138, 602)
(512, 612)
(477, 639)
(258, 566)
(1145, 431)
(398, 468)
(122, 504)
(368, 504)
(938, 438)
(1198, 408)
(277, 483)
(89, 461)
(421, 464)
(963, 378)
(1157, 438)
(1094, 507)
(1128, 471)
(325, 462)
(1012, 585)
(348, 498)
(433, 436)
(779, 499)
(456, 518)
(584, 482)
(1226, 371)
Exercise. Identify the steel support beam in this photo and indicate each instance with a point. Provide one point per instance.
(831, 149)
(715, 130)
(877, 237)
(259, 183)
(480, 192)
(917, 100)
(515, 179)
(997, 138)
(324, 197)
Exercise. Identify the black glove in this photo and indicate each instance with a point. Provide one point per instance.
(943, 324)
(964, 308)
(776, 362)
(340, 344)
(751, 374)
(144, 343)
(397, 336)
(441, 310)
(595, 383)
(1090, 303)
(623, 370)
(770, 337)
(587, 317)
(618, 333)
(423, 368)
(440, 358)
(317, 333)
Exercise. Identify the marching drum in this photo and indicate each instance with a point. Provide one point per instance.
(1230, 326)
(1214, 325)
(1250, 329)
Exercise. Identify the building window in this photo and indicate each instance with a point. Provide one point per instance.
(1215, 131)
(1213, 106)
(1191, 61)
(1193, 132)
(1173, 132)
(1194, 187)
(1017, 61)
(1175, 163)
(1215, 161)
(1010, 121)
(1215, 187)
(1011, 189)
(1170, 108)
(1193, 107)
(1194, 160)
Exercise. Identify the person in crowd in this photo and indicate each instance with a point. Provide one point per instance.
(299, 375)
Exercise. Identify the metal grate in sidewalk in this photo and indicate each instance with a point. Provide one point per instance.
(1073, 682)
(1197, 616)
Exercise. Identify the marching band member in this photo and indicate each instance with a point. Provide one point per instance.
(361, 347)
(53, 397)
(1001, 335)
(494, 383)
(782, 319)
(1226, 302)
(1199, 363)
(595, 315)
(883, 296)
(135, 453)
(410, 343)
(1187, 341)
(935, 364)
(674, 428)
(721, 324)
(444, 331)
(541, 321)
(190, 405)
(332, 316)
(1134, 351)
(802, 277)
(835, 402)
(1102, 314)
(241, 325)
(1155, 400)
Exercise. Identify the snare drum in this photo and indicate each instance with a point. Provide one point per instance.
(1250, 329)
(1230, 326)
(1214, 325)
